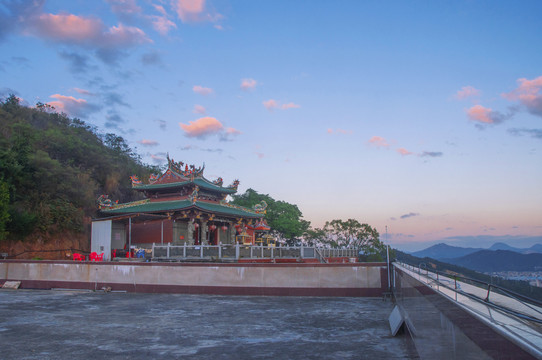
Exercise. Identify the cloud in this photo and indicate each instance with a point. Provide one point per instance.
(486, 116)
(378, 141)
(260, 155)
(124, 6)
(161, 123)
(113, 99)
(202, 90)
(202, 127)
(87, 32)
(72, 106)
(113, 120)
(162, 24)
(528, 94)
(431, 154)
(158, 158)
(404, 152)
(272, 104)
(248, 84)
(290, 105)
(146, 142)
(535, 133)
(151, 58)
(83, 92)
(406, 216)
(467, 92)
(194, 147)
(229, 134)
(195, 11)
(199, 109)
(78, 64)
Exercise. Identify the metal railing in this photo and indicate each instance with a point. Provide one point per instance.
(451, 282)
(238, 251)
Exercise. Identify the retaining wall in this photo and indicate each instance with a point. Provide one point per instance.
(350, 279)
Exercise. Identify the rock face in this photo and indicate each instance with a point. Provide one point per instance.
(54, 247)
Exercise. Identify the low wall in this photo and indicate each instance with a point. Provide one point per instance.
(350, 279)
(440, 329)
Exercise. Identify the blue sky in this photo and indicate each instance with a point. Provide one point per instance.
(422, 116)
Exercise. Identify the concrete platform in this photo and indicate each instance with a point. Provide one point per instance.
(39, 324)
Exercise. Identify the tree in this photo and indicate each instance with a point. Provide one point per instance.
(347, 234)
(284, 218)
(4, 209)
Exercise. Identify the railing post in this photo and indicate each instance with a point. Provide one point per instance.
(301, 251)
(488, 290)
(219, 251)
(201, 251)
(237, 251)
(167, 251)
(153, 250)
(184, 250)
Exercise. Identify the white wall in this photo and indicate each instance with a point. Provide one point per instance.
(100, 240)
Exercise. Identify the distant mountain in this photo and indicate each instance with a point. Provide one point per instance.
(498, 260)
(443, 251)
(536, 248)
(503, 246)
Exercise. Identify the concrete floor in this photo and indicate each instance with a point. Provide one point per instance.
(85, 325)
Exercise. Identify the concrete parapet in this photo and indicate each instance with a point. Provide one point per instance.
(349, 279)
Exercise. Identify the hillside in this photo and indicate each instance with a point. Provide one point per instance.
(442, 251)
(52, 170)
(499, 260)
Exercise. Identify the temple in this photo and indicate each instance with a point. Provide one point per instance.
(180, 206)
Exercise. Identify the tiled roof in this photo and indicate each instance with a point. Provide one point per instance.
(147, 206)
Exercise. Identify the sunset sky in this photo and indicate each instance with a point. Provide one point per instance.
(422, 116)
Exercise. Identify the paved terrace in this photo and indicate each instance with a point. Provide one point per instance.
(38, 324)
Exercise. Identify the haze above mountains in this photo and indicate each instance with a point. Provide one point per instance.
(499, 257)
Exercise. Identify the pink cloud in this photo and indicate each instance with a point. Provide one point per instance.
(466, 92)
(198, 109)
(146, 142)
(73, 106)
(290, 105)
(202, 90)
(202, 127)
(528, 94)
(404, 151)
(330, 131)
(260, 155)
(272, 104)
(233, 131)
(378, 141)
(83, 91)
(73, 29)
(162, 24)
(194, 11)
(480, 114)
(248, 84)
(67, 27)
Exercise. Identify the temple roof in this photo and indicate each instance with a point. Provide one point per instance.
(146, 206)
(179, 175)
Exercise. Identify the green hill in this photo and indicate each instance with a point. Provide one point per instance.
(52, 170)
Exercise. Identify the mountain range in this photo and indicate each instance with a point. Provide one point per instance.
(499, 257)
(444, 251)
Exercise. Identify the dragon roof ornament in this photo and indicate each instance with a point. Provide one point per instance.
(184, 169)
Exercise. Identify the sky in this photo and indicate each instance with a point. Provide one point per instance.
(420, 118)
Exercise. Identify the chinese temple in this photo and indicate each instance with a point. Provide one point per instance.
(180, 206)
